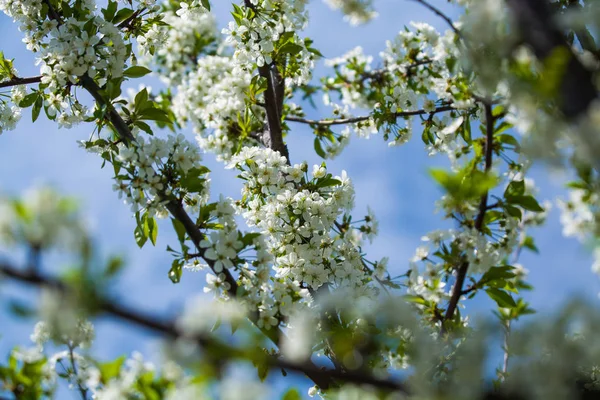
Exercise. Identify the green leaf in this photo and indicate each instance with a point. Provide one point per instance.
(152, 230)
(465, 130)
(498, 111)
(248, 238)
(515, 188)
(115, 264)
(192, 181)
(327, 181)
(140, 100)
(527, 202)
(29, 100)
(110, 370)
(175, 271)
(154, 114)
(122, 15)
(206, 4)
(292, 394)
(144, 126)
(110, 10)
(37, 107)
(235, 324)
(263, 371)
(21, 309)
(502, 272)
(179, 229)
(140, 237)
(508, 139)
(529, 243)
(503, 299)
(415, 299)
(464, 185)
(318, 148)
(513, 211)
(291, 49)
(137, 71)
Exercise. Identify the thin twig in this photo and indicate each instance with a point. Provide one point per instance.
(82, 389)
(440, 14)
(342, 121)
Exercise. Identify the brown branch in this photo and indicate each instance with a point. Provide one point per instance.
(342, 121)
(279, 84)
(457, 290)
(170, 329)
(178, 212)
(113, 116)
(273, 116)
(21, 81)
(52, 14)
(440, 14)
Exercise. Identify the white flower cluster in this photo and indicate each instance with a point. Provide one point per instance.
(272, 298)
(10, 115)
(434, 52)
(349, 67)
(124, 384)
(296, 216)
(73, 52)
(579, 216)
(223, 245)
(445, 138)
(42, 219)
(255, 38)
(173, 49)
(212, 97)
(577, 213)
(80, 335)
(429, 273)
(149, 169)
(201, 316)
(69, 49)
(356, 12)
(417, 64)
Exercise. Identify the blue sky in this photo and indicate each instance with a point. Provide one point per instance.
(393, 182)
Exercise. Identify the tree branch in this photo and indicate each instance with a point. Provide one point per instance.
(170, 329)
(21, 81)
(342, 121)
(457, 290)
(440, 14)
(113, 116)
(273, 115)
